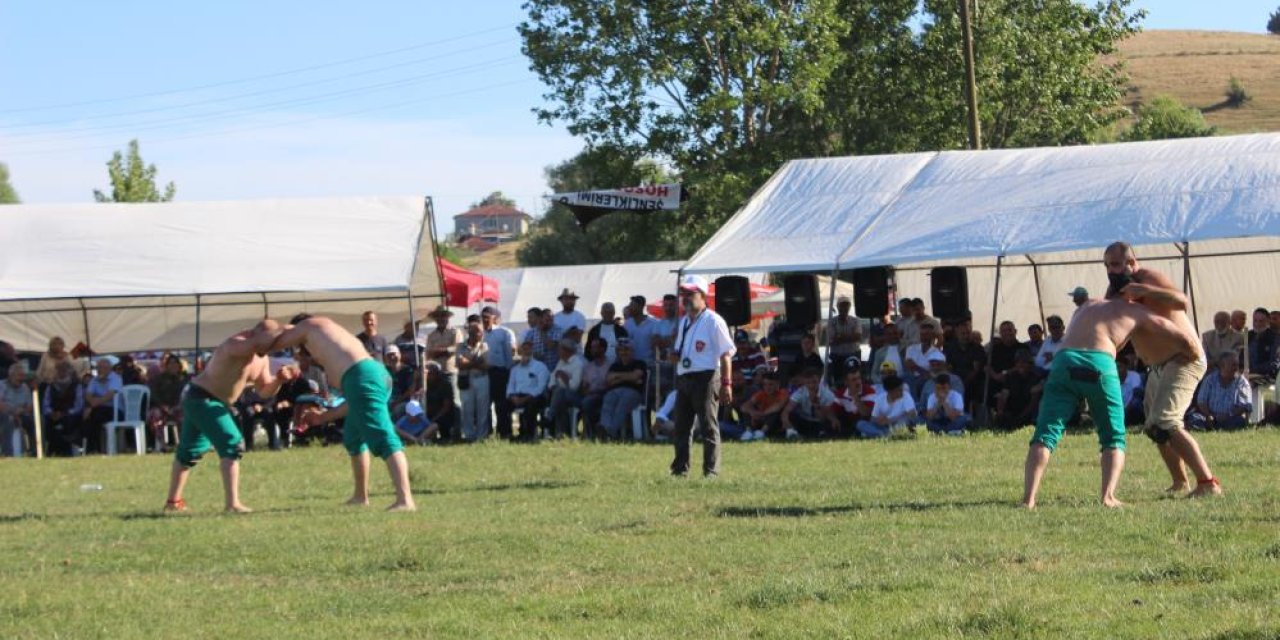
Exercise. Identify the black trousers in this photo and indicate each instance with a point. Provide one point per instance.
(697, 396)
(498, 378)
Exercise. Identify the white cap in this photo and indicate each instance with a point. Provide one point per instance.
(413, 408)
(695, 283)
(935, 356)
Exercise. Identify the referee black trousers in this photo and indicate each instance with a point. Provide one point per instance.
(697, 396)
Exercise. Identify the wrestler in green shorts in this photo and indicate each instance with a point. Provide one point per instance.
(207, 423)
(368, 427)
(1076, 374)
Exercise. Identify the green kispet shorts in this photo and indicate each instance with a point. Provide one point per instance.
(1076, 374)
(367, 388)
(207, 423)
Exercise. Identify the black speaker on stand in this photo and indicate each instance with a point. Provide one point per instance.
(803, 303)
(733, 300)
(949, 289)
(871, 292)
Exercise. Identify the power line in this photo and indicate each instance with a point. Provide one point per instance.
(264, 76)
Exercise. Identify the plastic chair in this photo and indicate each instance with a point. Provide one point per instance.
(129, 412)
(573, 423)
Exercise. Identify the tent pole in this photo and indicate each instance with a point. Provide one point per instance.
(995, 308)
(84, 316)
(417, 352)
(197, 357)
(826, 328)
(1035, 273)
(1187, 287)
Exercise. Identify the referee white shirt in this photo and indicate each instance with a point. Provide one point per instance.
(701, 342)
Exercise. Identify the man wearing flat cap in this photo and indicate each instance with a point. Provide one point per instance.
(442, 349)
(569, 318)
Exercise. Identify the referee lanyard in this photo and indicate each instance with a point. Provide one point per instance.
(684, 339)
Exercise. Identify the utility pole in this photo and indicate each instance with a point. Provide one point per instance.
(970, 77)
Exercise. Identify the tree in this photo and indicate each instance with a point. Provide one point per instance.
(725, 91)
(1164, 118)
(7, 193)
(132, 180)
(1273, 25)
(620, 237)
(494, 198)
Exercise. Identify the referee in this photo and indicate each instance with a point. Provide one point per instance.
(702, 354)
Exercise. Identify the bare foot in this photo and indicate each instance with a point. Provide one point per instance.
(175, 506)
(1029, 505)
(239, 508)
(1210, 488)
(1178, 487)
(402, 506)
(357, 502)
(1112, 503)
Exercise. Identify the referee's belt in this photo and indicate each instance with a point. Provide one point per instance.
(690, 374)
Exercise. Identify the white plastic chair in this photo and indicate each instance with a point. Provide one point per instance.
(129, 412)
(573, 423)
(637, 423)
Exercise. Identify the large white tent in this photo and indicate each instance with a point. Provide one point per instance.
(151, 276)
(1206, 211)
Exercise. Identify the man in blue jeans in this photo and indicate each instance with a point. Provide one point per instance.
(626, 389)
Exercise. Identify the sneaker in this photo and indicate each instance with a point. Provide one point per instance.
(747, 436)
(793, 435)
(759, 434)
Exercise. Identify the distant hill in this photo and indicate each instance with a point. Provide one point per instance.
(1195, 66)
(502, 256)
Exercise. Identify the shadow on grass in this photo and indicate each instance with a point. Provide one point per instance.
(536, 485)
(810, 512)
(161, 515)
(13, 518)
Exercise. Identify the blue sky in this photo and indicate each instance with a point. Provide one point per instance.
(237, 99)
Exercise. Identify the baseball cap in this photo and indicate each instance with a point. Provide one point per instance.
(1079, 292)
(888, 367)
(843, 300)
(935, 356)
(694, 283)
(741, 336)
(490, 311)
(851, 363)
(413, 408)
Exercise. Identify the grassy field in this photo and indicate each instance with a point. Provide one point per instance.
(1195, 66)
(896, 539)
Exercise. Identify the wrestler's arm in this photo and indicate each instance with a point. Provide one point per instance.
(1156, 288)
(294, 335)
(267, 384)
(1164, 328)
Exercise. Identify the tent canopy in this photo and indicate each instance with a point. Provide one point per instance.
(132, 276)
(464, 288)
(1208, 206)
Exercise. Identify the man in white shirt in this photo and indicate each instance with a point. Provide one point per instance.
(526, 391)
(844, 337)
(568, 318)
(810, 411)
(1057, 328)
(566, 383)
(916, 359)
(703, 354)
(502, 351)
(944, 411)
(894, 410)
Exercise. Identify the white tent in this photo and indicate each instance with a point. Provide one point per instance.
(595, 284)
(1033, 220)
(154, 276)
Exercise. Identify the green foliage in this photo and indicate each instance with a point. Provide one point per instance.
(727, 91)
(619, 237)
(854, 539)
(451, 252)
(494, 198)
(132, 180)
(7, 193)
(1166, 118)
(1273, 24)
(1237, 95)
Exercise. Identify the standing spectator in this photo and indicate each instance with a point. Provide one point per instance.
(809, 358)
(63, 407)
(569, 318)
(1224, 400)
(944, 408)
(609, 330)
(908, 330)
(625, 392)
(640, 329)
(502, 355)
(1019, 397)
(410, 346)
(473, 382)
(1000, 357)
(8, 356)
(1079, 296)
(57, 353)
(595, 382)
(99, 394)
(374, 343)
(544, 337)
(890, 352)
(810, 410)
(703, 352)
(1131, 392)
(967, 361)
(844, 336)
(526, 391)
(1263, 345)
(916, 359)
(1044, 357)
(15, 410)
(166, 399)
(566, 382)
(1222, 337)
(1035, 339)
(894, 409)
(442, 349)
(763, 410)
(664, 340)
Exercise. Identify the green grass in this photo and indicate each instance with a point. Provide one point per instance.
(851, 539)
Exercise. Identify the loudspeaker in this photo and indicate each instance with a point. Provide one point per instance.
(949, 288)
(733, 300)
(871, 292)
(803, 303)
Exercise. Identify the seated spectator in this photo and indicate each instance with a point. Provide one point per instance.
(414, 426)
(810, 411)
(49, 360)
(854, 401)
(747, 356)
(130, 372)
(526, 390)
(402, 377)
(609, 329)
(894, 410)
(938, 366)
(99, 394)
(1001, 355)
(285, 409)
(15, 411)
(1130, 391)
(166, 400)
(566, 386)
(944, 408)
(595, 374)
(967, 361)
(1019, 397)
(473, 382)
(917, 356)
(1222, 338)
(63, 408)
(809, 358)
(1044, 357)
(764, 409)
(1035, 339)
(253, 411)
(889, 352)
(1264, 346)
(664, 423)
(626, 390)
(440, 408)
(731, 413)
(1224, 400)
